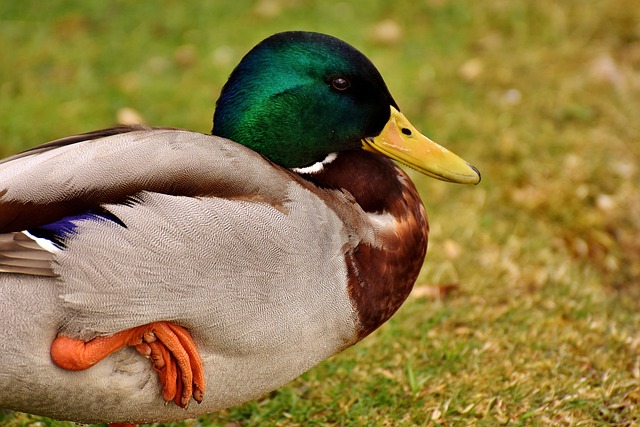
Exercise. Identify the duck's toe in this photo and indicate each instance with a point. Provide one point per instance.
(177, 361)
(165, 366)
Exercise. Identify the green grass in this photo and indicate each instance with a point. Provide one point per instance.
(543, 325)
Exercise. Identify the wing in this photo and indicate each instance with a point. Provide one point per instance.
(75, 174)
(160, 224)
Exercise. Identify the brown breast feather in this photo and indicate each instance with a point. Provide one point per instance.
(381, 274)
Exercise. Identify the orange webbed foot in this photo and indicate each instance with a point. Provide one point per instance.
(169, 347)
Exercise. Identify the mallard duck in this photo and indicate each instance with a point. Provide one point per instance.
(234, 261)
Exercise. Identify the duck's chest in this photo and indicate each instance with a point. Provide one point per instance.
(390, 224)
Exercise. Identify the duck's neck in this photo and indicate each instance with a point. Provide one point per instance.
(382, 272)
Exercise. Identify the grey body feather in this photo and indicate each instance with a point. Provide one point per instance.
(251, 262)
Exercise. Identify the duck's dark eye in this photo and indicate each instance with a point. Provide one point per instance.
(340, 83)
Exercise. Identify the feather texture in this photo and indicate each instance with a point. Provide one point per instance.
(20, 253)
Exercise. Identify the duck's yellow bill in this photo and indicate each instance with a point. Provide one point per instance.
(400, 141)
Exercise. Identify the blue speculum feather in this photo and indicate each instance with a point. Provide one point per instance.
(59, 231)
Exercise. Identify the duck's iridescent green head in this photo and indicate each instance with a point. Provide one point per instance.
(298, 96)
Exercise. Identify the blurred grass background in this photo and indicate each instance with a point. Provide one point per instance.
(527, 311)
